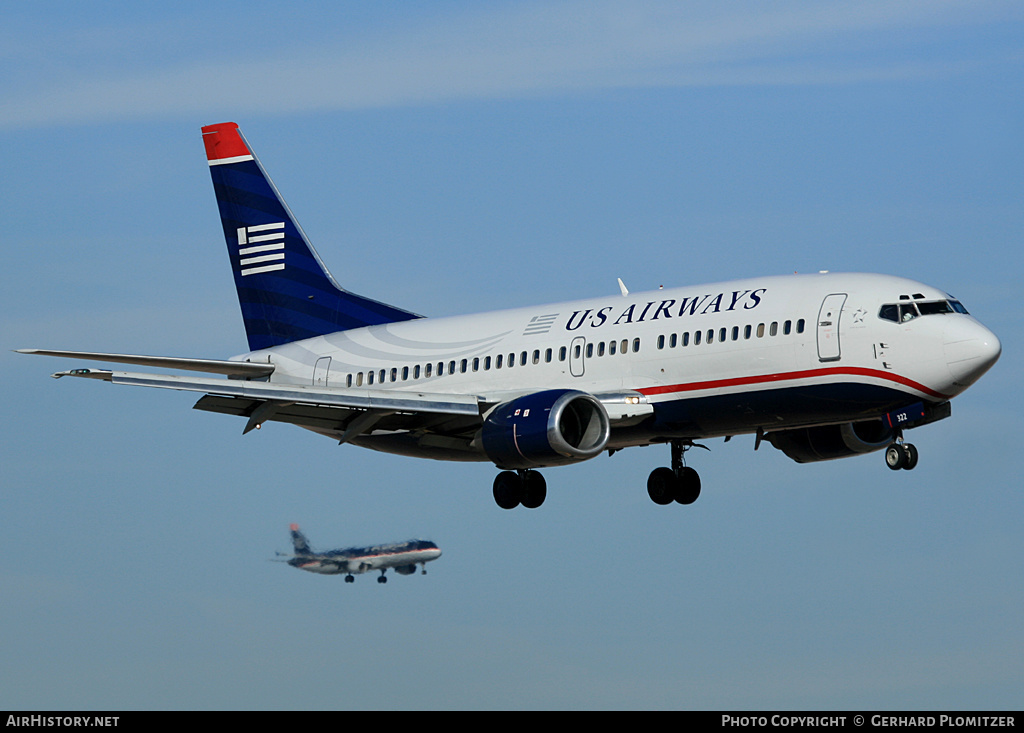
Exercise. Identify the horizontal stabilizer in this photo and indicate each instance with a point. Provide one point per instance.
(211, 366)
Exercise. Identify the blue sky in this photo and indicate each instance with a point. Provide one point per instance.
(456, 157)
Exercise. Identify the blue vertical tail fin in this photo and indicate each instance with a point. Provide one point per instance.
(284, 290)
(299, 541)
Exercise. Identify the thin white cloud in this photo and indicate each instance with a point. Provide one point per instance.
(515, 51)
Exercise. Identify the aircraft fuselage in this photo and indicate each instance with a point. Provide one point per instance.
(706, 360)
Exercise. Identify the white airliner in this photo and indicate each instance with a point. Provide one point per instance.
(402, 556)
(821, 366)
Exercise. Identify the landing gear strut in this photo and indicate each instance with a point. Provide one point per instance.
(526, 487)
(679, 483)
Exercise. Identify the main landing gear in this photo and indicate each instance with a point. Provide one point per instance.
(526, 487)
(901, 455)
(679, 483)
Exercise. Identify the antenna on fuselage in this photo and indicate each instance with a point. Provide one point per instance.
(622, 288)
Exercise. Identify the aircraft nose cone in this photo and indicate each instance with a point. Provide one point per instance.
(971, 350)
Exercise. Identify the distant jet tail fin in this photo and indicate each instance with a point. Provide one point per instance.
(285, 291)
(299, 541)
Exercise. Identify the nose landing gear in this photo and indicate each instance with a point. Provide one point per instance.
(901, 455)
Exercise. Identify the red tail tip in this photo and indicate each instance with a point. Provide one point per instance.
(223, 141)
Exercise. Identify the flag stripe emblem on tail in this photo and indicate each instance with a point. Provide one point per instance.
(276, 245)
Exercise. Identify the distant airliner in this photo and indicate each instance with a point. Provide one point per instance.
(402, 556)
(821, 366)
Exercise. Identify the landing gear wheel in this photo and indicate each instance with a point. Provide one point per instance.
(895, 457)
(533, 489)
(687, 486)
(349, 579)
(382, 579)
(661, 485)
(507, 490)
(909, 456)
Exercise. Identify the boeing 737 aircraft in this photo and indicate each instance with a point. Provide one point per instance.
(402, 556)
(820, 366)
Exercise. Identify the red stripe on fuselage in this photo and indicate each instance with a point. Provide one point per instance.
(790, 376)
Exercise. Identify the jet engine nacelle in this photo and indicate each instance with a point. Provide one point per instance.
(827, 442)
(549, 428)
(405, 569)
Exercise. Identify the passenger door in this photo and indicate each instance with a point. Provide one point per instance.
(828, 327)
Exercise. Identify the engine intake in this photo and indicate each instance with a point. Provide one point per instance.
(550, 428)
(828, 442)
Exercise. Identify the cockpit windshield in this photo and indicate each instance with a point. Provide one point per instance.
(906, 311)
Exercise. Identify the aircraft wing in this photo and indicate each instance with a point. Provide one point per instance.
(211, 366)
(340, 412)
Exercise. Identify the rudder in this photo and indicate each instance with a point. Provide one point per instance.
(284, 290)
